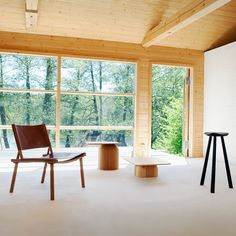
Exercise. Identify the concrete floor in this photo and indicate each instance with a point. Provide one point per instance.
(116, 203)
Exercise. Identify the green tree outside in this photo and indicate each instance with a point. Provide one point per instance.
(167, 108)
(40, 73)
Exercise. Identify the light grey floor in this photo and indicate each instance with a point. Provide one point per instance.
(116, 203)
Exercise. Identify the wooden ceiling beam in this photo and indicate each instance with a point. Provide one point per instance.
(31, 13)
(183, 18)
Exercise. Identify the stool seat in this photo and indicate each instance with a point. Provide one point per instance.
(216, 134)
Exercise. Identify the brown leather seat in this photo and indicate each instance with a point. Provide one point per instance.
(36, 136)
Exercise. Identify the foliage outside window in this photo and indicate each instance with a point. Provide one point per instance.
(167, 108)
(97, 93)
(96, 98)
(19, 75)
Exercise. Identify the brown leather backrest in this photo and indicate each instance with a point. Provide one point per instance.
(31, 136)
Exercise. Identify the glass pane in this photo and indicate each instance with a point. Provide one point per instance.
(27, 108)
(8, 140)
(167, 108)
(52, 136)
(96, 110)
(28, 72)
(97, 76)
(78, 138)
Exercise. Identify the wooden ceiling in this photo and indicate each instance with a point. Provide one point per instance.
(119, 20)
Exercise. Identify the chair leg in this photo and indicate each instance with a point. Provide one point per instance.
(205, 162)
(226, 163)
(213, 171)
(52, 182)
(82, 173)
(44, 173)
(13, 178)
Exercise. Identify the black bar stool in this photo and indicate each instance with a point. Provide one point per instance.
(213, 171)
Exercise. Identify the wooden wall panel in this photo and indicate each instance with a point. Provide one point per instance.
(97, 49)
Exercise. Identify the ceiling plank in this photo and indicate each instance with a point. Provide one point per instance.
(31, 13)
(183, 18)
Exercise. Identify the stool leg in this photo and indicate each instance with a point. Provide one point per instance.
(213, 171)
(206, 161)
(226, 163)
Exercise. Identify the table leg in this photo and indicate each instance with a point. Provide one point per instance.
(146, 171)
(108, 157)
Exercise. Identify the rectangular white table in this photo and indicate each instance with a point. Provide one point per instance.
(146, 167)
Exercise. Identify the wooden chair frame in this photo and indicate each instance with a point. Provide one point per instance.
(31, 137)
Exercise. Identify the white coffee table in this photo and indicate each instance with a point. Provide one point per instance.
(146, 167)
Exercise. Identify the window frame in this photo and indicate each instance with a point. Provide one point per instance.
(58, 92)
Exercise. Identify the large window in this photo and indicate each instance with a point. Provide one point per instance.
(87, 101)
(97, 102)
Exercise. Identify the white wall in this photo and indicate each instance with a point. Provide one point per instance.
(220, 95)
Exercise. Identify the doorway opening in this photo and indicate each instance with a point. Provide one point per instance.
(170, 110)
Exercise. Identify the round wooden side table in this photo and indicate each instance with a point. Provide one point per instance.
(108, 158)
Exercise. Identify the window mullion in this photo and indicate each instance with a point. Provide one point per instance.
(58, 101)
